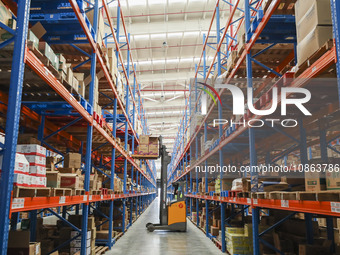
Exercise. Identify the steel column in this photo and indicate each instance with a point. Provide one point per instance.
(12, 120)
(88, 164)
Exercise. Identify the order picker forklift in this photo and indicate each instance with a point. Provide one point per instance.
(172, 214)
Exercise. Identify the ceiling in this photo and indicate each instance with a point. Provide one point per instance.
(166, 38)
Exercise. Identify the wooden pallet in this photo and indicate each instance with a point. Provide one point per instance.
(314, 57)
(244, 194)
(78, 192)
(329, 195)
(58, 192)
(31, 192)
(101, 250)
(95, 192)
(260, 195)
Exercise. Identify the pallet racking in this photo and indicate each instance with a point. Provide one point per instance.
(48, 117)
(237, 141)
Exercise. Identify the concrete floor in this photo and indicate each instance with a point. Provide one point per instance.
(137, 240)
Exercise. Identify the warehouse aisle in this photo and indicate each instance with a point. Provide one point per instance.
(137, 240)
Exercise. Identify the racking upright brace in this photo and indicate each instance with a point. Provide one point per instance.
(13, 117)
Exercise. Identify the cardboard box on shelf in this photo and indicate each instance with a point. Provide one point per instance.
(304, 6)
(72, 160)
(31, 149)
(144, 139)
(53, 179)
(38, 30)
(37, 171)
(153, 140)
(70, 181)
(214, 230)
(319, 14)
(69, 74)
(332, 180)
(62, 63)
(312, 42)
(27, 139)
(65, 170)
(36, 160)
(143, 149)
(33, 39)
(21, 165)
(153, 149)
(19, 243)
(313, 182)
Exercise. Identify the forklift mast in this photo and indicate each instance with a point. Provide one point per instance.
(165, 160)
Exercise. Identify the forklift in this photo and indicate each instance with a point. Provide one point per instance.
(172, 214)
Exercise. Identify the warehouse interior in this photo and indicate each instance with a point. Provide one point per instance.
(169, 127)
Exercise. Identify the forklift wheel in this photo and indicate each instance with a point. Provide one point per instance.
(151, 227)
(148, 224)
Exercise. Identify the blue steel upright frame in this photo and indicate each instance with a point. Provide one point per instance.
(12, 120)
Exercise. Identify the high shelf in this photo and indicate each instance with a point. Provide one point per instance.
(265, 53)
(67, 122)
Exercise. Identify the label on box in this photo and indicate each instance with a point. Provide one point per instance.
(62, 200)
(18, 203)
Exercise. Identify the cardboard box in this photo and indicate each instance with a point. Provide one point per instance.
(153, 149)
(69, 75)
(27, 139)
(21, 164)
(31, 149)
(214, 230)
(19, 243)
(37, 171)
(38, 30)
(332, 180)
(53, 179)
(143, 149)
(312, 42)
(313, 182)
(303, 6)
(69, 181)
(144, 139)
(65, 170)
(32, 38)
(72, 160)
(102, 234)
(36, 160)
(319, 14)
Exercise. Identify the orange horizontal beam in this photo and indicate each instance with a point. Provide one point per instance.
(34, 203)
(315, 207)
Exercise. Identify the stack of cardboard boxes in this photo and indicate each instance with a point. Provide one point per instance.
(148, 145)
(19, 243)
(21, 171)
(36, 157)
(313, 27)
(70, 175)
